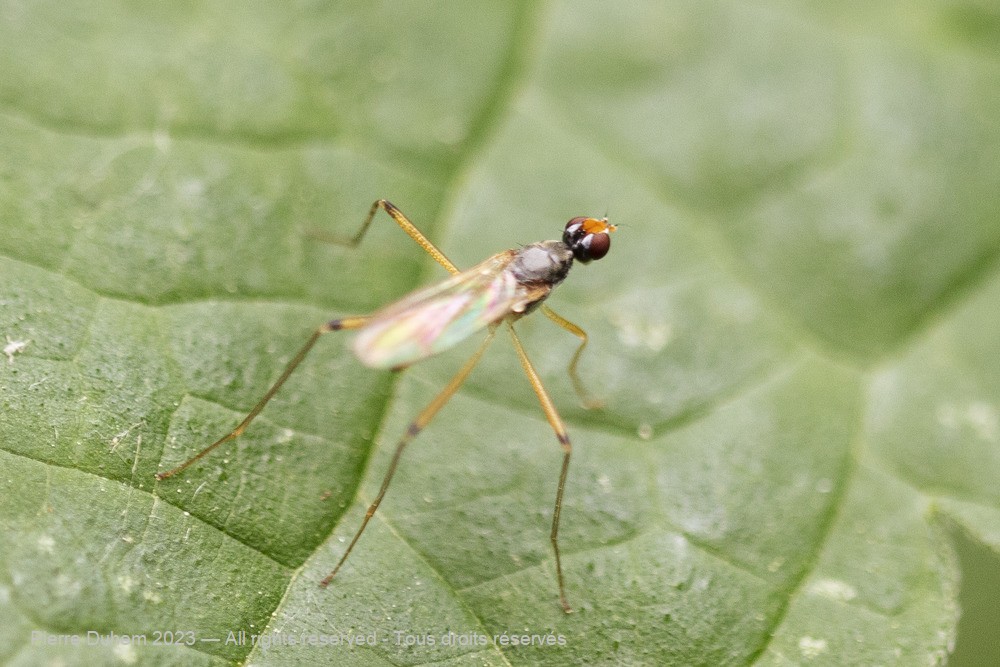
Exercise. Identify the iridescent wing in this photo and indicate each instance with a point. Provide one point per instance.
(440, 316)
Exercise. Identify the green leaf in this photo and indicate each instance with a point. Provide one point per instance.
(794, 333)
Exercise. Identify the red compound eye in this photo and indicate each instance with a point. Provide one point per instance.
(599, 245)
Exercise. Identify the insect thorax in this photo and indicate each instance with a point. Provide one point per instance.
(544, 263)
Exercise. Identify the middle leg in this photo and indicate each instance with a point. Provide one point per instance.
(415, 427)
(549, 408)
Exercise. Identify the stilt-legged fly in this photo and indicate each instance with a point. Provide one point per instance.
(498, 291)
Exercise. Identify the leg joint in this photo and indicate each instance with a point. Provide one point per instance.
(564, 441)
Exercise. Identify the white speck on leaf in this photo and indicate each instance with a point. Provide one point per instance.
(979, 416)
(811, 647)
(638, 330)
(126, 582)
(984, 420)
(162, 140)
(604, 482)
(46, 544)
(125, 653)
(14, 347)
(117, 439)
(67, 588)
(833, 589)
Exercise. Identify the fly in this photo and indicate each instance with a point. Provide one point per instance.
(498, 291)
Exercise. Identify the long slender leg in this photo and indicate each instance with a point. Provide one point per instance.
(556, 422)
(332, 325)
(586, 398)
(414, 428)
(401, 220)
